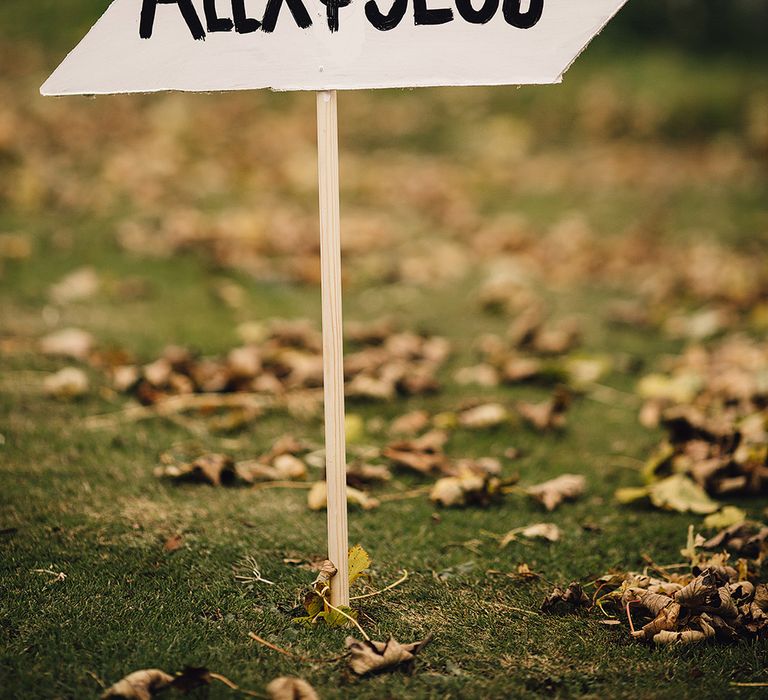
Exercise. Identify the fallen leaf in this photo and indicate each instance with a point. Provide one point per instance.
(747, 539)
(724, 518)
(288, 688)
(67, 383)
(317, 498)
(553, 492)
(359, 563)
(424, 454)
(468, 487)
(482, 375)
(410, 423)
(360, 473)
(548, 415)
(78, 285)
(214, 469)
(372, 657)
(567, 600)
(489, 415)
(173, 543)
(68, 342)
(679, 493)
(537, 531)
(139, 685)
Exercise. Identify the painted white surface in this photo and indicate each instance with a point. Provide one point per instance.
(112, 58)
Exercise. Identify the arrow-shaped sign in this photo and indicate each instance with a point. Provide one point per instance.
(210, 45)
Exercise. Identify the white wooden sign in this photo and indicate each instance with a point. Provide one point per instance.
(211, 45)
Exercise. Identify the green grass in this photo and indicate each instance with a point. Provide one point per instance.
(86, 502)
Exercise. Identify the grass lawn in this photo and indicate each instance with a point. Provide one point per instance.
(85, 502)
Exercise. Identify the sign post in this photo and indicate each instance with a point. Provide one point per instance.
(324, 46)
(333, 351)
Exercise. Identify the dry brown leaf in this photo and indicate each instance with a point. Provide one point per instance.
(410, 423)
(288, 688)
(359, 473)
(482, 375)
(548, 415)
(488, 415)
(468, 487)
(537, 531)
(557, 338)
(666, 620)
(78, 285)
(173, 543)
(521, 369)
(424, 454)
(372, 657)
(214, 469)
(317, 498)
(748, 539)
(139, 685)
(69, 342)
(687, 636)
(567, 600)
(702, 592)
(68, 383)
(553, 492)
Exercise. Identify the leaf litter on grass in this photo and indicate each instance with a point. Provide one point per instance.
(713, 599)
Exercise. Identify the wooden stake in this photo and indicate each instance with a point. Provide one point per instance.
(333, 365)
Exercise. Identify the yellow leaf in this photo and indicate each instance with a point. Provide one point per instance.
(359, 561)
(725, 517)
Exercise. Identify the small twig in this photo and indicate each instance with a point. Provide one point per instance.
(519, 490)
(629, 615)
(234, 686)
(266, 485)
(57, 575)
(662, 569)
(748, 685)
(613, 397)
(404, 495)
(306, 659)
(254, 575)
(276, 648)
(520, 610)
(93, 675)
(402, 579)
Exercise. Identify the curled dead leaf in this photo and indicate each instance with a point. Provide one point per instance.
(537, 531)
(553, 492)
(317, 498)
(373, 657)
(68, 383)
(548, 415)
(78, 285)
(567, 600)
(424, 454)
(487, 415)
(68, 342)
(214, 469)
(468, 487)
(139, 685)
(410, 423)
